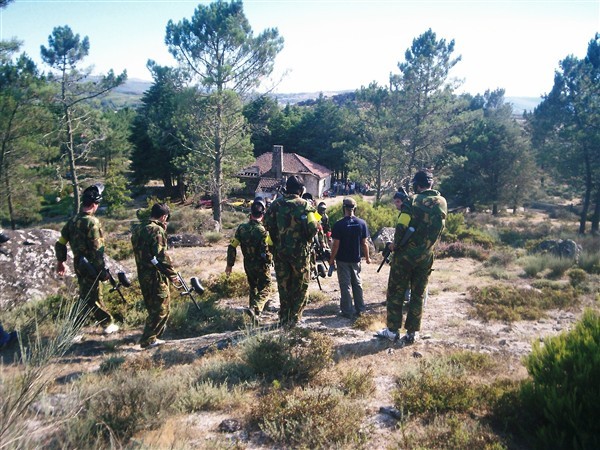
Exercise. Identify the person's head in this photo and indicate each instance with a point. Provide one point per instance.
(321, 208)
(294, 185)
(160, 212)
(348, 205)
(258, 208)
(309, 198)
(422, 181)
(92, 196)
(400, 197)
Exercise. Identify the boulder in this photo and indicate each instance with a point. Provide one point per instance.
(185, 240)
(28, 267)
(386, 234)
(562, 248)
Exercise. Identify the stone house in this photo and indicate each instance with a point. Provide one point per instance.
(269, 172)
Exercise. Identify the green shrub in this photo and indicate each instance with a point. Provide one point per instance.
(510, 303)
(298, 355)
(209, 396)
(130, 402)
(119, 249)
(310, 418)
(436, 387)
(533, 265)
(564, 388)
(461, 250)
(455, 223)
(477, 237)
(212, 237)
(577, 277)
(357, 383)
(589, 260)
(234, 285)
(376, 216)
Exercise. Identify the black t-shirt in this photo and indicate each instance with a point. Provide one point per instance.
(350, 231)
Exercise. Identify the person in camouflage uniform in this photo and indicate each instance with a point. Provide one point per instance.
(84, 234)
(149, 241)
(254, 241)
(292, 225)
(425, 211)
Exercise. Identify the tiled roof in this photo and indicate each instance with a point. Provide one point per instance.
(266, 183)
(292, 164)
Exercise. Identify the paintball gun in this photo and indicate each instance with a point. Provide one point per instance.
(386, 251)
(104, 275)
(116, 285)
(386, 255)
(181, 285)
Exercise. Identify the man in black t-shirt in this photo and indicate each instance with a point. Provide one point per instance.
(349, 245)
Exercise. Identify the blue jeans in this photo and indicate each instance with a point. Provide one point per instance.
(350, 287)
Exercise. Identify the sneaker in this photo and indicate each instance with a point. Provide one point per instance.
(153, 344)
(407, 339)
(253, 315)
(112, 328)
(386, 333)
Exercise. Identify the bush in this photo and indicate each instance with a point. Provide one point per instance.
(536, 264)
(310, 418)
(212, 237)
(376, 216)
(296, 356)
(461, 250)
(234, 285)
(509, 303)
(130, 403)
(564, 388)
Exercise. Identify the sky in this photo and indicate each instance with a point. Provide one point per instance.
(334, 45)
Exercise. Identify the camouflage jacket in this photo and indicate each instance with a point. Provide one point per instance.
(428, 217)
(84, 234)
(149, 239)
(292, 224)
(253, 238)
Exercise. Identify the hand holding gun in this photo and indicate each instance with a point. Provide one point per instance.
(180, 283)
(386, 255)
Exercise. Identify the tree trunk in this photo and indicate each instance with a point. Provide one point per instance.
(596, 215)
(72, 167)
(495, 209)
(218, 174)
(588, 194)
(11, 210)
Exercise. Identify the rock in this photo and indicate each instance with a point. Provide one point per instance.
(230, 426)
(391, 411)
(186, 240)
(384, 235)
(560, 248)
(28, 267)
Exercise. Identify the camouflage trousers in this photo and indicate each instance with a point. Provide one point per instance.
(404, 274)
(259, 280)
(90, 293)
(157, 299)
(293, 277)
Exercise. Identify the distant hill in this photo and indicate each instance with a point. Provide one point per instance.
(130, 93)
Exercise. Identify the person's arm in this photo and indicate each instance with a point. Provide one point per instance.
(231, 255)
(60, 249)
(365, 250)
(159, 249)
(334, 249)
